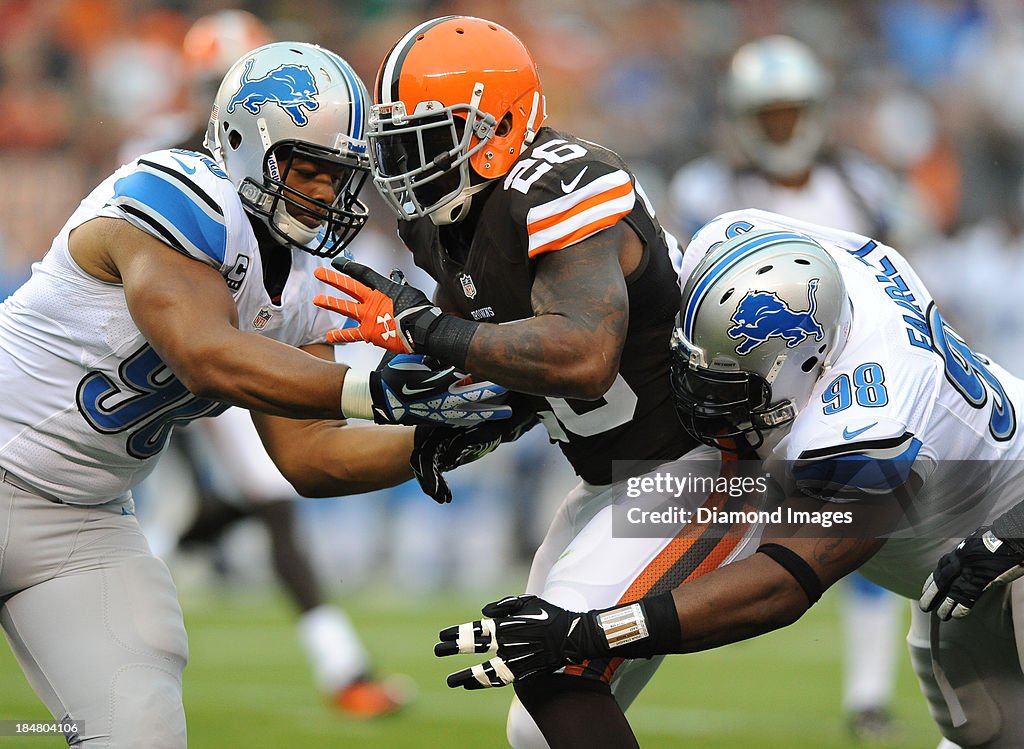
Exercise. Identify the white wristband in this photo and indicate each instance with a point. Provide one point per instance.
(623, 625)
(356, 401)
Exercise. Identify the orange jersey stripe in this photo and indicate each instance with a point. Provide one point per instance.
(619, 191)
(580, 213)
(578, 235)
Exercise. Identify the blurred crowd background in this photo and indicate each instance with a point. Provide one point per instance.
(931, 88)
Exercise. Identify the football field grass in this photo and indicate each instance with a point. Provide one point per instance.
(248, 685)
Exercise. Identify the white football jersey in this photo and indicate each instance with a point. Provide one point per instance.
(849, 192)
(905, 395)
(91, 405)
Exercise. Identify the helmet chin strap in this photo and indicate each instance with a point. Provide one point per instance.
(779, 414)
(291, 227)
(782, 412)
(538, 113)
(457, 208)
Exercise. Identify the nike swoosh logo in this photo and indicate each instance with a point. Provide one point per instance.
(848, 435)
(184, 167)
(567, 188)
(406, 390)
(541, 617)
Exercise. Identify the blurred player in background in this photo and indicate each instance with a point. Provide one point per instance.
(211, 46)
(229, 472)
(182, 285)
(777, 151)
(776, 95)
(555, 278)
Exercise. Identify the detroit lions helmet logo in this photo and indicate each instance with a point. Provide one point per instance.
(290, 87)
(762, 314)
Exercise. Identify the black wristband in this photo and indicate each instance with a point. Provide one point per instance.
(448, 339)
(794, 564)
(662, 624)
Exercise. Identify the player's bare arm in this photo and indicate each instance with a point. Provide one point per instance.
(186, 312)
(758, 594)
(792, 568)
(571, 348)
(305, 451)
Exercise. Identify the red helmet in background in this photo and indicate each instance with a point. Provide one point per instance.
(215, 41)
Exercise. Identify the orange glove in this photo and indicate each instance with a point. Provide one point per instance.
(394, 316)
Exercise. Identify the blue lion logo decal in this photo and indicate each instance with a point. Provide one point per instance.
(291, 87)
(761, 315)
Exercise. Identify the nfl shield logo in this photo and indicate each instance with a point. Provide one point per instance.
(260, 321)
(468, 287)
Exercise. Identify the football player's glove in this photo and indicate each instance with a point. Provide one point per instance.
(406, 390)
(529, 635)
(964, 574)
(532, 636)
(394, 316)
(437, 449)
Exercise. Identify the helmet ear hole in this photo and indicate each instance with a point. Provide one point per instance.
(504, 127)
(234, 139)
(810, 364)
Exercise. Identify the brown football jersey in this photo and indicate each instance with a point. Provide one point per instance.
(559, 192)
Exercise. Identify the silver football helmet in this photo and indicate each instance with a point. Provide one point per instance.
(761, 317)
(778, 73)
(285, 101)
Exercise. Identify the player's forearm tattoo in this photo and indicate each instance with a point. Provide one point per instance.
(582, 312)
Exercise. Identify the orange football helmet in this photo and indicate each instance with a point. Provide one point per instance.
(456, 101)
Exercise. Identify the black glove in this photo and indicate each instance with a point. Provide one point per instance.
(964, 574)
(533, 636)
(439, 449)
(529, 635)
(406, 389)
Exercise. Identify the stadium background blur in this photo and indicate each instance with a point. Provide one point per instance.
(928, 87)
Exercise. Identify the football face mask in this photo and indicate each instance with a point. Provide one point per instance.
(280, 105)
(421, 162)
(712, 405)
(456, 102)
(294, 215)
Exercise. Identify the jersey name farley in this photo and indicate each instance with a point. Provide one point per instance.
(559, 192)
(108, 401)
